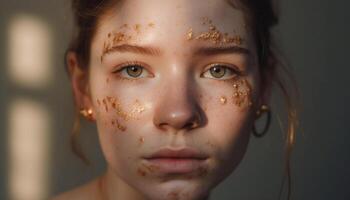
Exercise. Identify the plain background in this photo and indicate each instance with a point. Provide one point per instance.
(313, 36)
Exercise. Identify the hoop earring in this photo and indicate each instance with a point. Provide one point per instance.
(87, 113)
(263, 109)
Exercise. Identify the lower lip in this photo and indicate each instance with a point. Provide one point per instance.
(176, 165)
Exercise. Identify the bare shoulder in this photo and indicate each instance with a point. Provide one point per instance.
(88, 191)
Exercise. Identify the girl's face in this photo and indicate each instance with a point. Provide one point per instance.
(171, 75)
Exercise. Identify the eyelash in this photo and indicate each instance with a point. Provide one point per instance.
(232, 68)
(123, 67)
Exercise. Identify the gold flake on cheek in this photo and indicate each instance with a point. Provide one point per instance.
(137, 28)
(190, 34)
(105, 104)
(214, 35)
(119, 126)
(242, 96)
(114, 103)
(223, 100)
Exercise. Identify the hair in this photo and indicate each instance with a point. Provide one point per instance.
(261, 18)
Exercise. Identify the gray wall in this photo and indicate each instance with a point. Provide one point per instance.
(313, 35)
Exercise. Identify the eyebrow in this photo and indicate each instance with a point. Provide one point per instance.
(222, 50)
(133, 49)
(157, 52)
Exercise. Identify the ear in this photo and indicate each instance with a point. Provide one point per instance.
(266, 91)
(79, 78)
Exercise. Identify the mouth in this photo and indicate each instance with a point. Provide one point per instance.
(185, 160)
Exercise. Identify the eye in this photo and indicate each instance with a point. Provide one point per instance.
(220, 71)
(132, 70)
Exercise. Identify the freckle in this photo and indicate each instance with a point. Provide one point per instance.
(141, 172)
(210, 144)
(124, 26)
(223, 100)
(151, 24)
(141, 140)
(109, 35)
(107, 80)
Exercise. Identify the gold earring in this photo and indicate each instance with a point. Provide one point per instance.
(87, 113)
(263, 109)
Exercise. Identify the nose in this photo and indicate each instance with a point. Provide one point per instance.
(177, 108)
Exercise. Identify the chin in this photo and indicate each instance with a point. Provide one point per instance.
(177, 190)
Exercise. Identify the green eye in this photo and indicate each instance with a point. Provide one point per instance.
(134, 70)
(218, 71)
(221, 71)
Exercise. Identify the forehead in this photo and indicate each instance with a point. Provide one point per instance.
(171, 20)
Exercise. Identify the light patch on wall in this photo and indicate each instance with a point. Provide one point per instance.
(28, 150)
(29, 51)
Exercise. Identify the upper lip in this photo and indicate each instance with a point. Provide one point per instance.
(189, 153)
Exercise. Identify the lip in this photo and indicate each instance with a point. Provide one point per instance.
(189, 153)
(184, 160)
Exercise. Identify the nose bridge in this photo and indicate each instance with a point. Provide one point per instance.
(177, 107)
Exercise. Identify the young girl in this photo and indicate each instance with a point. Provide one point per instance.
(175, 88)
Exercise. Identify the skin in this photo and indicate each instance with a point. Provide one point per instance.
(175, 103)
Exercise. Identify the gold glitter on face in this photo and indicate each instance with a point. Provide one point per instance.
(213, 35)
(137, 108)
(190, 34)
(111, 102)
(241, 93)
(119, 126)
(121, 36)
(223, 100)
(137, 28)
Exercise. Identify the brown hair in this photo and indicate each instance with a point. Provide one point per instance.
(261, 18)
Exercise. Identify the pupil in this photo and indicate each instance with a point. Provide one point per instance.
(217, 70)
(134, 71)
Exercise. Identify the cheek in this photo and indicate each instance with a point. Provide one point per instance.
(229, 112)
